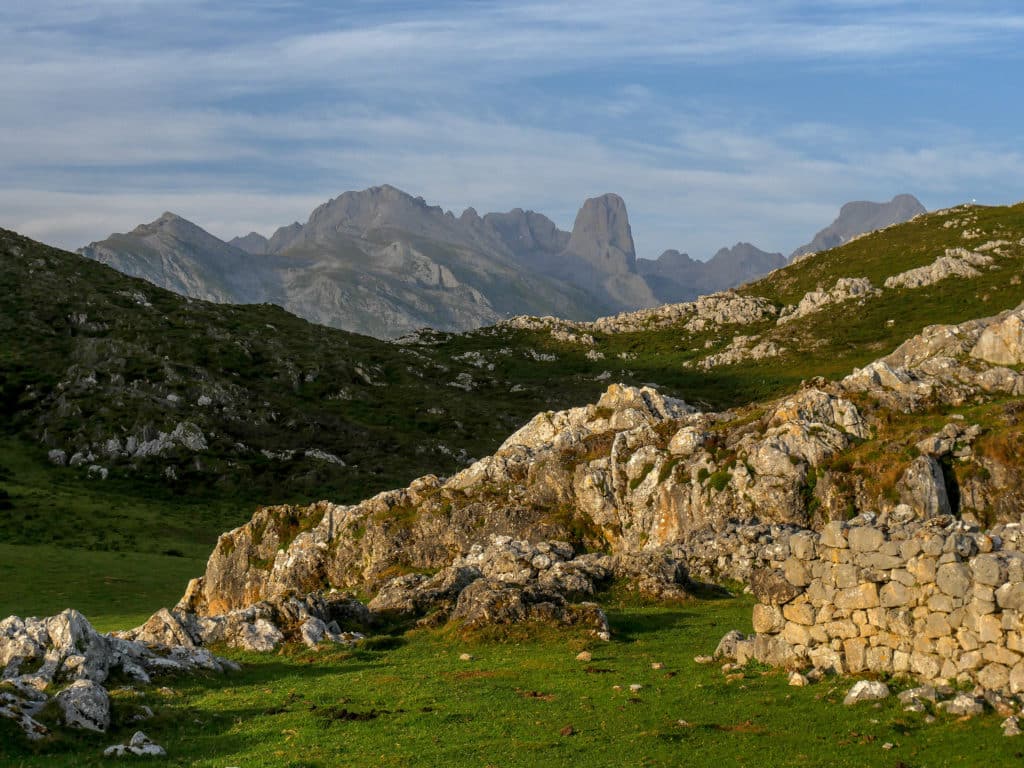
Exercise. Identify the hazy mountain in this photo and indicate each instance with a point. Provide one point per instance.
(382, 262)
(859, 217)
(176, 254)
(675, 277)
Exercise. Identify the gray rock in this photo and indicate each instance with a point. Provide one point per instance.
(866, 690)
(770, 586)
(85, 705)
(962, 704)
(726, 648)
(139, 745)
(923, 488)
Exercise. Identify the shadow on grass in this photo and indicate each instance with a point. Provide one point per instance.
(628, 625)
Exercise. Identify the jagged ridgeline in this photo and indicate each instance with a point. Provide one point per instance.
(110, 376)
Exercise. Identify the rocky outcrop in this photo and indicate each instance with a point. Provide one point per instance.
(742, 349)
(63, 658)
(845, 289)
(942, 364)
(635, 471)
(311, 619)
(958, 262)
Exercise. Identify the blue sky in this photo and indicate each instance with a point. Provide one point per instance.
(716, 121)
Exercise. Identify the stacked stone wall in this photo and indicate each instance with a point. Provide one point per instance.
(935, 600)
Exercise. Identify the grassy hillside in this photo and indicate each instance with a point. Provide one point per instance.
(88, 355)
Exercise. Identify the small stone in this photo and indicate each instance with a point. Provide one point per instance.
(1011, 726)
(139, 744)
(797, 680)
(962, 705)
(888, 745)
(704, 659)
(567, 731)
(465, 657)
(584, 656)
(866, 690)
(634, 687)
(657, 665)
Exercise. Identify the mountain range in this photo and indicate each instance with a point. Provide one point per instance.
(384, 263)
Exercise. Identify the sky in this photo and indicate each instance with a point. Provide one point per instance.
(717, 122)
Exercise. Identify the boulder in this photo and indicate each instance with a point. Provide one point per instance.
(139, 745)
(85, 705)
(866, 690)
(923, 488)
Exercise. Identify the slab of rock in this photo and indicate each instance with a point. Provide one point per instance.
(866, 690)
(923, 488)
(139, 745)
(85, 705)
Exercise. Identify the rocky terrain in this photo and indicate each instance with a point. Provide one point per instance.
(654, 492)
(873, 511)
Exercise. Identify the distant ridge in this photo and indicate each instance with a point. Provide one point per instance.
(859, 217)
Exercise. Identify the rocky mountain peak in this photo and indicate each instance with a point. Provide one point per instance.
(861, 216)
(601, 235)
(254, 243)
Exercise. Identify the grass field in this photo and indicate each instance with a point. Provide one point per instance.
(410, 701)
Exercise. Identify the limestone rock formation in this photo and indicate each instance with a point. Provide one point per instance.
(845, 289)
(957, 262)
(63, 658)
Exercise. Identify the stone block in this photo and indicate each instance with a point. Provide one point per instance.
(941, 603)
(932, 544)
(827, 660)
(863, 596)
(927, 666)
(879, 659)
(842, 629)
(1000, 655)
(864, 538)
(803, 545)
(796, 572)
(834, 535)
(954, 579)
(855, 654)
(988, 569)
(994, 677)
(893, 594)
(846, 576)
(902, 576)
(879, 562)
(922, 568)
(967, 639)
(909, 548)
(1017, 678)
(900, 662)
(1010, 596)
(801, 613)
(990, 629)
(767, 619)
(796, 634)
(970, 661)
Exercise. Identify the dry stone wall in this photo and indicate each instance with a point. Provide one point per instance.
(936, 600)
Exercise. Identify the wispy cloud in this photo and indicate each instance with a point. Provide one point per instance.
(245, 115)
